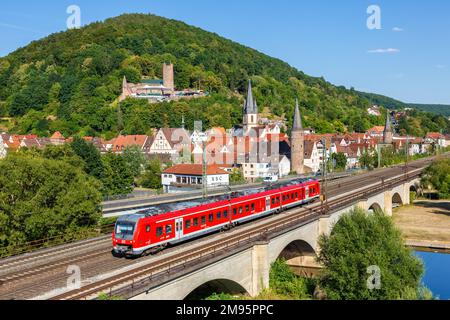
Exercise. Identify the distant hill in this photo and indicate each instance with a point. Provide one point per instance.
(441, 109)
(380, 100)
(70, 82)
(391, 103)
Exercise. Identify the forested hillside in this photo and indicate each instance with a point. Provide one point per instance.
(70, 82)
(435, 108)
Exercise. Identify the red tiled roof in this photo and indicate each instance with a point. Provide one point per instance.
(128, 141)
(379, 129)
(57, 136)
(195, 170)
(435, 135)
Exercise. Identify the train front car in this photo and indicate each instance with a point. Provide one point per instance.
(124, 234)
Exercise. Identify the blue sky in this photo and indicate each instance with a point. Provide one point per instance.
(326, 38)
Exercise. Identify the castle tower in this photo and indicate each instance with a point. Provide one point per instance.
(388, 135)
(297, 143)
(250, 110)
(126, 92)
(168, 77)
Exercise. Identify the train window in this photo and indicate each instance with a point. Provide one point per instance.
(247, 208)
(219, 215)
(188, 224)
(273, 200)
(147, 229)
(225, 214)
(253, 207)
(284, 198)
(241, 210)
(195, 222)
(159, 232)
(169, 229)
(203, 220)
(296, 195)
(211, 217)
(234, 211)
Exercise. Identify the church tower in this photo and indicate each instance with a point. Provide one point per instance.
(250, 110)
(388, 135)
(297, 143)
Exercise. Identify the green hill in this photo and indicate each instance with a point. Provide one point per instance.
(390, 103)
(380, 100)
(441, 109)
(70, 82)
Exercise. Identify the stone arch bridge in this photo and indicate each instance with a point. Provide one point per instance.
(247, 271)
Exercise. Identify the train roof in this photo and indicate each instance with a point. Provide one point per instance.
(157, 210)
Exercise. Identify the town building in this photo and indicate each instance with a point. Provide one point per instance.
(189, 177)
(436, 138)
(122, 142)
(312, 157)
(171, 141)
(376, 132)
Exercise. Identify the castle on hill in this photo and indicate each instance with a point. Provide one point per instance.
(158, 90)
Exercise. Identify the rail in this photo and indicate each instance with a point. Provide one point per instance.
(143, 279)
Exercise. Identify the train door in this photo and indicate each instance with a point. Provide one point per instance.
(267, 203)
(306, 193)
(178, 228)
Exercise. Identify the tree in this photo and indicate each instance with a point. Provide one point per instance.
(237, 176)
(366, 160)
(437, 176)
(340, 161)
(359, 246)
(135, 159)
(90, 155)
(117, 176)
(41, 198)
(151, 178)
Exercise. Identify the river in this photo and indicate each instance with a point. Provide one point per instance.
(437, 273)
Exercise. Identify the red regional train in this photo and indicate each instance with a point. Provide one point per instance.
(151, 230)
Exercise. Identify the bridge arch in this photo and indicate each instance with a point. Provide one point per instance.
(397, 200)
(375, 207)
(217, 286)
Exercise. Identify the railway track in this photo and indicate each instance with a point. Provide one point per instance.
(94, 254)
(142, 277)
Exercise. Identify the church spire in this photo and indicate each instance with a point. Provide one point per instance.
(297, 118)
(250, 106)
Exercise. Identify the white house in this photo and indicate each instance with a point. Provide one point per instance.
(437, 138)
(253, 171)
(283, 167)
(170, 141)
(312, 160)
(189, 177)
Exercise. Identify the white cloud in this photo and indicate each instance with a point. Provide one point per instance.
(397, 29)
(388, 50)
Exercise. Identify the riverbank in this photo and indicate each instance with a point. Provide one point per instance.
(426, 224)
